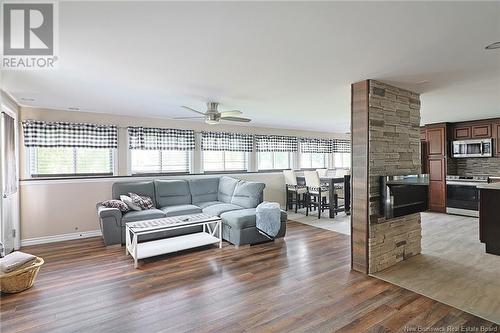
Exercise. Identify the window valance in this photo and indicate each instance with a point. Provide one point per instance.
(341, 146)
(276, 143)
(220, 141)
(59, 134)
(160, 138)
(311, 145)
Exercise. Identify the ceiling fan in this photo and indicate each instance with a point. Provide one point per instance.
(212, 116)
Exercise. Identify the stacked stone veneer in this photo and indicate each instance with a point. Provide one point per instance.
(394, 149)
(474, 166)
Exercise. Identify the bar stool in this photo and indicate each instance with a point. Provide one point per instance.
(293, 190)
(316, 190)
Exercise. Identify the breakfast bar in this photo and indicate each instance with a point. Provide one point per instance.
(489, 216)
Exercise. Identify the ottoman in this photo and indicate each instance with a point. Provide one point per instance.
(238, 227)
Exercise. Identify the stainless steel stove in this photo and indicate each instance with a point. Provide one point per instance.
(462, 195)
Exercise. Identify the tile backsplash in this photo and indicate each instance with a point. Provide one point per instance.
(474, 166)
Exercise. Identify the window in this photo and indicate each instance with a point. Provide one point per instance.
(314, 160)
(224, 161)
(274, 160)
(225, 151)
(160, 150)
(342, 160)
(159, 161)
(70, 161)
(69, 149)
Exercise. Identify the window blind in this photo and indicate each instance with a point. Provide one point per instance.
(276, 143)
(311, 145)
(76, 135)
(160, 139)
(220, 141)
(341, 146)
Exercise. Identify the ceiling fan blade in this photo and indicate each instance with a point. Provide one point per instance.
(231, 113)
(193, 110)
(239, 119)
(189, 118)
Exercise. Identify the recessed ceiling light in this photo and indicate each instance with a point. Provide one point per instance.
(493, 46)
(74, 108)
(27, 99)
(423, 82)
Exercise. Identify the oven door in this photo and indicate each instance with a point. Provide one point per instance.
(462, 196)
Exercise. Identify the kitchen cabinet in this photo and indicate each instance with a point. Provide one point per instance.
(497, 140)
(435, 161)
(481, 131)
(462, 132)
(436, 141)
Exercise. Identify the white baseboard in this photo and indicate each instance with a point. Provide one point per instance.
(60, 238)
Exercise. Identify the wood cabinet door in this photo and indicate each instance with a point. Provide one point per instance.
(437, 184)
(497, 143)
(436, 141)
(481, 131)
(461, 133)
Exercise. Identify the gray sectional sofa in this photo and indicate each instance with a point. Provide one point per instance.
(231, 199)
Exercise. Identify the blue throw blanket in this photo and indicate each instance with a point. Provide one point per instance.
(268, 219)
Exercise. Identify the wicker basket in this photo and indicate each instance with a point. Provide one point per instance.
(20, 279)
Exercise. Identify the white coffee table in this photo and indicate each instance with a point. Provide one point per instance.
(211, 234)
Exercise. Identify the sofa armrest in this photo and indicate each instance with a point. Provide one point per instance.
(112, 213)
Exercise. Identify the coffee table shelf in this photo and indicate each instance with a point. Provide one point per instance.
(211, 234)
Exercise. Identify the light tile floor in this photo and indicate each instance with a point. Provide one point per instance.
(453, 267)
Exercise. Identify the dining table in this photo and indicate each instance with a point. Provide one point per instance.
(331, 181)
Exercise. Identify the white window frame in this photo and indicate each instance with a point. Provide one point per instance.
(324, 166)
(291, 158)
(245, 169)
(191, 160)
(29, 151)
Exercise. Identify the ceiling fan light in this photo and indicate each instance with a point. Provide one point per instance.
(211, 121)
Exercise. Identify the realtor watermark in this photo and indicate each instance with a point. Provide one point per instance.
(451, 328)
(30, 35)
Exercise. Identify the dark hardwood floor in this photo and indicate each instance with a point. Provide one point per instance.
(301, 285)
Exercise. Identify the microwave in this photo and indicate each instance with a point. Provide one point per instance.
(472, 148)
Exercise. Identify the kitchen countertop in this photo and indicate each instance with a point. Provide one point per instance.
(490, 186)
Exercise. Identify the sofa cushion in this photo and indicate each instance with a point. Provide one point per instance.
(248, 194)
(140, 215)
(226, 188)
(181, 210)
(208, 203)
(217, 210)
(244, 218)
(142, 201)
(172, 192)
(142, 188)
(203, 189)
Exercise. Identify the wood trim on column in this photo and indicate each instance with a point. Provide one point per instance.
(359, 164)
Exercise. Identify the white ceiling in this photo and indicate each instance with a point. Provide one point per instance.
(283, 64)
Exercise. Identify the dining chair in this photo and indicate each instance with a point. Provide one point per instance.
(322, 172)
(293, 191)
(316, 190)
(339, 188)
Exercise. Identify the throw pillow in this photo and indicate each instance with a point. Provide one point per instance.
(116, 204)
(128, 200)
(141, 201)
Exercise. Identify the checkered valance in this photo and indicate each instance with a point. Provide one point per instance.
(160, 138)
(341, 146)
(79, 135)
(311, 145)
(221, 141)
(276, 143)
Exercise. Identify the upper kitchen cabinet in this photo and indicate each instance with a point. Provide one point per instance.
(481, 131)
(462, 132)
(436, 141)
(472, 131)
